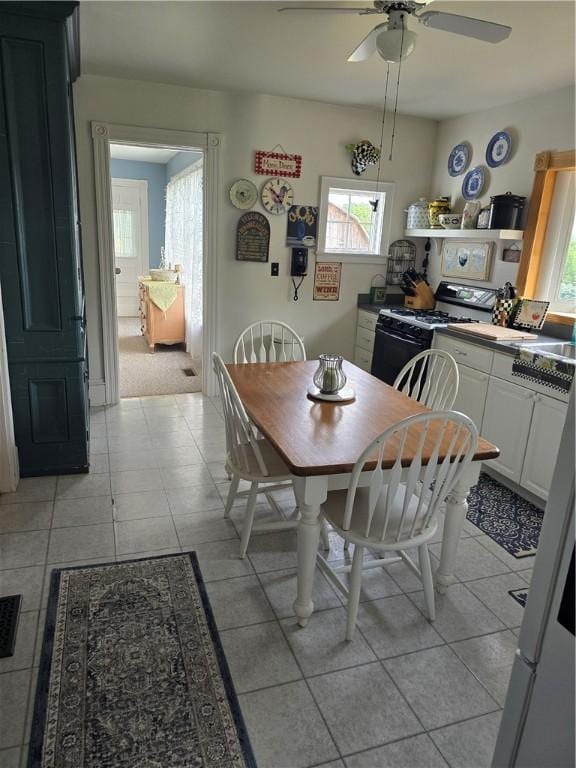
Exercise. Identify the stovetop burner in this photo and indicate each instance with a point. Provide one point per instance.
(431, 316)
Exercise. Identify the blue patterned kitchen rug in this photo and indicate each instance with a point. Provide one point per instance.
(509, 520)
(133, 673)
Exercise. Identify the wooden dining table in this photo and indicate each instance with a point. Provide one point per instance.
(320, 442)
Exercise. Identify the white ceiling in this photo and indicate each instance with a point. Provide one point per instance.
(142, 154)
(248, 46)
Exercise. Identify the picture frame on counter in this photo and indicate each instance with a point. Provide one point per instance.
(468, 260)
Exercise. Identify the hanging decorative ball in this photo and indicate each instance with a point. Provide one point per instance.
(364, 154)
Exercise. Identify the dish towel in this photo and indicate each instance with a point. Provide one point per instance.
(163, 295)
(555, 374)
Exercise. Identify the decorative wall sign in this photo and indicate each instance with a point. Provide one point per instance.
(327, 281)
(277, 196)
(243, 194)
(252, 237)
(301, 226)
(464, 259)
(278, 164)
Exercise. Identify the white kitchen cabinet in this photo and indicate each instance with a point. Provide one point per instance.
(548, 417)
(506, 423)
(365, 335)
(472, 391)
(524, 420)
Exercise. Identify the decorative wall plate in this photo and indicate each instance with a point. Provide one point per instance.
(459, 159)
(243, 194)
(473, 183)
(277, 196)
(498, 149)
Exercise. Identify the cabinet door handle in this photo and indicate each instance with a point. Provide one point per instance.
(462, 354)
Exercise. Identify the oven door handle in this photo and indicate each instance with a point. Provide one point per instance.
(408, 339)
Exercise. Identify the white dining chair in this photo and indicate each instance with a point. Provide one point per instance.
(268, 341)
(390, 512)
(431, 378)
(251, 458)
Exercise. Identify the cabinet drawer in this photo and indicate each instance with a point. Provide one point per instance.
(365, 339)
(464, 352)
(367, 319)
(363, 358)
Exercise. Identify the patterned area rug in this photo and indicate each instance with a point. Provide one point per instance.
(520, 595)
(133, 674)
(509, 520)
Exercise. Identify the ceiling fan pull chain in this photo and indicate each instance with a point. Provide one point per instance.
(397, 89)
(382, 126)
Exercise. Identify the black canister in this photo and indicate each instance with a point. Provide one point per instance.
(506, 211)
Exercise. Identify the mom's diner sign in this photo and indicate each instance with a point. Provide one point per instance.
(278, 164)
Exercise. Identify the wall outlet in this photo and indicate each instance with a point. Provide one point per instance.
(274, 269)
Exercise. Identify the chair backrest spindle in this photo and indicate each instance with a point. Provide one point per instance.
(431, 378)
(261, 339)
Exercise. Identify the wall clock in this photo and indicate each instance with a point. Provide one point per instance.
(277, 196)
(243, 194)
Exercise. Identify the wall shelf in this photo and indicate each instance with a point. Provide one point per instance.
(467, 234)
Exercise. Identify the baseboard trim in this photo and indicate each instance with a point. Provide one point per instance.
(97, 392)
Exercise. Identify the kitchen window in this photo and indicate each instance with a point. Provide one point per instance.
(547, 268)
(557, 278)
(349, 229)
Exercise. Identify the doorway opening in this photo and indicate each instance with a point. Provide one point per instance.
(157, 223)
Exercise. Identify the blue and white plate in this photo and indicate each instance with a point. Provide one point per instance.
(459, 159)
(473, 184)
(498, 149)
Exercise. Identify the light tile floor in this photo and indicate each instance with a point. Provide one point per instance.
(405, 693)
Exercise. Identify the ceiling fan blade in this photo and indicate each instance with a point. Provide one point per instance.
(367, 47)
(465, 25)
(358, 11)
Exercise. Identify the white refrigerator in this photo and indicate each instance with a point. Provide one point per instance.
(537, 728)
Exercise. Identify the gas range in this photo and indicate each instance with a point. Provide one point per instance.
(421, 318)
(402, 333)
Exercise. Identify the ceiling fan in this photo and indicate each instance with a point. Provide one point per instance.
(394, 41)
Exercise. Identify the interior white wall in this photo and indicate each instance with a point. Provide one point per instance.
(536, 124)
(248, 122)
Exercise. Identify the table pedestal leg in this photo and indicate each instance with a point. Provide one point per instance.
(310, 493)
(454, 516)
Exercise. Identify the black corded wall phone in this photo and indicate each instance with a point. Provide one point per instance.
(298, 268)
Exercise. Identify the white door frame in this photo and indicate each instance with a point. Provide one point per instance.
(9, 468)
(141, 186)
(103, 134)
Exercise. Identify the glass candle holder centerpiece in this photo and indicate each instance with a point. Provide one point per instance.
(329, 377)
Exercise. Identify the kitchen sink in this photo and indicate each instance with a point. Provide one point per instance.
(564, 349)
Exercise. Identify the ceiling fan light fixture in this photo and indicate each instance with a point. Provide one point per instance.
(395, 45)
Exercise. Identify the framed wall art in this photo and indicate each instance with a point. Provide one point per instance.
(464, 259)
(252, 237)
(301, 226)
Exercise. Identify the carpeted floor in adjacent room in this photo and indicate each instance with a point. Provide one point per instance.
(160, 373)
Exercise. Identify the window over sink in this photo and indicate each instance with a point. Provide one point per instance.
(354, 220)
(547, 268)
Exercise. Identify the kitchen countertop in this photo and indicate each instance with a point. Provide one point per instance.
(507, 347)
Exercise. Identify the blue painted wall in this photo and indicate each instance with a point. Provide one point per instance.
(179, 162)
(155, 175)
